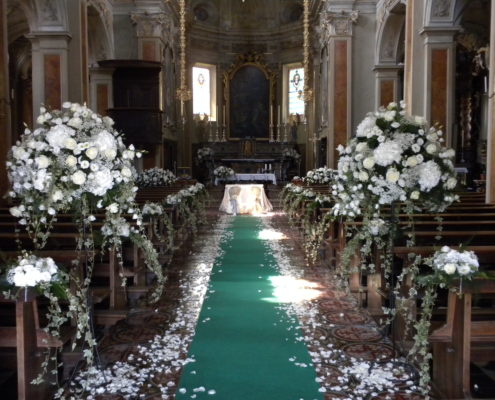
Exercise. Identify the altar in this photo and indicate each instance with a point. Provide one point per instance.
(267, 177)
(247, 198)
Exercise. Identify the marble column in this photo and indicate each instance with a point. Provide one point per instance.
(440, 78)
(101, 89)
(387, 84)
(414, 69)
(5, 133)
(151, 29)
(50, 69)
(490, 168)
(337, 35)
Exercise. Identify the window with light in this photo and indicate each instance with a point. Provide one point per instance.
(201, 91)
(295, 91)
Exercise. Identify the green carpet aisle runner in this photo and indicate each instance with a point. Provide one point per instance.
(245, 347)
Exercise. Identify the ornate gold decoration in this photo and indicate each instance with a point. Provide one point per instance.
(308, 92)
(183, 93)
(242, 60)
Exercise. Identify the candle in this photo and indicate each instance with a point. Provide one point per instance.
(279, 114)
(271, 114)
(218, 115)
(223, 114)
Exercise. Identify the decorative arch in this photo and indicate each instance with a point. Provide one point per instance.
(100, 33)
(390, 33)
(389, 52)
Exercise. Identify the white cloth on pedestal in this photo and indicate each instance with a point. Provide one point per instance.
(248, 199)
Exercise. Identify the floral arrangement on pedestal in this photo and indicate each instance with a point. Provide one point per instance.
(395, 164)
(76, 162)
(222, 172)
(394, 161)
(291, 153)
(205, 154)
(156, 177)
(320, 176)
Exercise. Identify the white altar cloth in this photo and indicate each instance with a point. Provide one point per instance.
(250, 177)
(251, 199)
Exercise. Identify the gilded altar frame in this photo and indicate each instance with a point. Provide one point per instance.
(254, 60)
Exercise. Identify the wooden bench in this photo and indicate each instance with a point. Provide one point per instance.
(461, 341)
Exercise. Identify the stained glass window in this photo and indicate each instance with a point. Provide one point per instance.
(201, 91)
(295, 90)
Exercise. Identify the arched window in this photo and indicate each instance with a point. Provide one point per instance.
(295, 90)
(203, 78)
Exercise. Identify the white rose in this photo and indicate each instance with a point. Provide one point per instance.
(126, 172)
(449, 268)
(361, 146)
(16, 212)
(392, 175)
(91, 153)
(412, 161)
(113, 208)
(84, 164)
(110, 154)
(451, 183)
(363, 176)
(464, 269)
(57, 195)
(369, 163)
(19, 153)
(70, 144)
(415, 195)
(419, 120)
(71, 161)
(40, 120)
(78, 178)
(75, 122)
(43, 162)
(431, 148)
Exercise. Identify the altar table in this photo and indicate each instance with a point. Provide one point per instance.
(251, 199)
(250, 177)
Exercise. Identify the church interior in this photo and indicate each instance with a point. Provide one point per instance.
(247, 199)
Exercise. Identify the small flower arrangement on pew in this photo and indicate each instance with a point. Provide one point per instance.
(449, 269)
(191, 205)
(77, 163)
(156, 177)
(155, 213)
(294, 196)
(222, 172)
(31, 275)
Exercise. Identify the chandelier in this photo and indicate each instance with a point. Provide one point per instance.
(307, 94)
(183, 93)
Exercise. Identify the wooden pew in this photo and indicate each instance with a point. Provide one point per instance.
(455, 343)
